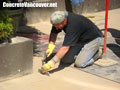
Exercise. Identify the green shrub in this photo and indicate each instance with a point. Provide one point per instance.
(6, 27)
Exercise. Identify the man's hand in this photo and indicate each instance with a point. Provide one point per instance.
(50, 49)
(46, 67)
(51, 64)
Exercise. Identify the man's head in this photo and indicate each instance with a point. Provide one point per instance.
(59, 19)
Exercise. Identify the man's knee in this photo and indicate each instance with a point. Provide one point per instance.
(79, 65)
(84, 63)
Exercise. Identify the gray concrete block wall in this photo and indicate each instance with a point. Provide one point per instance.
(35, 15)
(16, 59)
(99, 5)
(91, 6)
(39, 14)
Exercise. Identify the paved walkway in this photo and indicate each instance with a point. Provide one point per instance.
(67, 78)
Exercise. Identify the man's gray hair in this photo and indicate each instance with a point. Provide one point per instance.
(58, 17)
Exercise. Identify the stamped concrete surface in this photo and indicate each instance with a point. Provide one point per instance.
(67, 78)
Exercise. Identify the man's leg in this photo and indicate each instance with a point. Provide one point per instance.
(89, 53)
(70, 55)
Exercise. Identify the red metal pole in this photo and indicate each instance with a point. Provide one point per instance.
(106, 22)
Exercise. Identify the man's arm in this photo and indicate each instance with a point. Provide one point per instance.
(60, 54)
(51, 44)
(63, 50)
(52, 38)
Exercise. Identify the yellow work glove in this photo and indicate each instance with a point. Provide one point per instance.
(46, 67)
(50, 64)
(50, 49)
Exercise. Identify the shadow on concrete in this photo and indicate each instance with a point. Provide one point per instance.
(115, 47)
(31, 33)
(68, 5)
(27, 30)
(60, 67)
(116, 34)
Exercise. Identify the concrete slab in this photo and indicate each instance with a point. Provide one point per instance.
(113, 19)
(67, 78)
